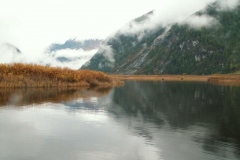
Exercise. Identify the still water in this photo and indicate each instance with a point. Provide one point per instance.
(139, 121)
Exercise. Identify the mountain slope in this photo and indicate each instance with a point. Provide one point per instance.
(88, 44)
(206, 46)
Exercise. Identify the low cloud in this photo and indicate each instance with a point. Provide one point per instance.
(174, 11)
(133, 27)
(228, 4)
(198, 22)
(108, 52)
(166, 13)
(73, 59)
(8, 53)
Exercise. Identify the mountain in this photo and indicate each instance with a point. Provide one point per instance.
(208, 42)
(74, 44)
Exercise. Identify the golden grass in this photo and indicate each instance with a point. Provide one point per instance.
(228, 79)
(28, 75)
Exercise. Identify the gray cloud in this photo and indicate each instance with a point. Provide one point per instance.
(198, 22)
(228, 4)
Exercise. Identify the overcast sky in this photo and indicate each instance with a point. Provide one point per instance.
(32, 25)
(59, 20)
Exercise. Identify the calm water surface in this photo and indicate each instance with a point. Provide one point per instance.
(139, 121)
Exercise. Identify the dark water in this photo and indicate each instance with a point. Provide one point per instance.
(139, 121)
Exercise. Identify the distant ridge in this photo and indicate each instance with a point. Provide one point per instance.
(86, 45)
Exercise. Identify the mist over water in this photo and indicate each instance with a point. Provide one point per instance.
(141, 120)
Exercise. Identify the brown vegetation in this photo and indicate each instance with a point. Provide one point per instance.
(28, 75)
(216, 79)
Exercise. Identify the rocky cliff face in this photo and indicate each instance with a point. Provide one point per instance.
(206, 43)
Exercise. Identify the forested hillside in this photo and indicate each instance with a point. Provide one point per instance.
(179, 48)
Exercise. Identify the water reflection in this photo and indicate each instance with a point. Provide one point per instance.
(27, 96)
(139, 121)
(69, 130)
(210, 114)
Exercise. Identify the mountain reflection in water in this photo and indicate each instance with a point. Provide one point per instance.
(139, 121)
(185, 106)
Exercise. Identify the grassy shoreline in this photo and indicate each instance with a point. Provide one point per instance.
(228, 79)
(27, 75)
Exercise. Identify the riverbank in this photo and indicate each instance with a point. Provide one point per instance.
(229, 79)
(28, 75)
